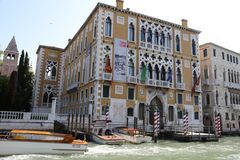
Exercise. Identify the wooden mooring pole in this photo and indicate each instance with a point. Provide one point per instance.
(68, 123)
(89, 123)
(80, 122)
(72, 121)
(83, 123)
(127, 122)
(76, 124)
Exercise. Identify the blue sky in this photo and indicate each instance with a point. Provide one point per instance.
(53, 22)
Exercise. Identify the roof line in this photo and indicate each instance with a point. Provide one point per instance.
(211, 43)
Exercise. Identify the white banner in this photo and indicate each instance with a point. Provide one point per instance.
(120, 60)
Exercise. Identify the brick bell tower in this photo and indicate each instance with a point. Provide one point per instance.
(10, 59)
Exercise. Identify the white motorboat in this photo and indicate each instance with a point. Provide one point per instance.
(40, 142)
(103, 135)
(133, 136)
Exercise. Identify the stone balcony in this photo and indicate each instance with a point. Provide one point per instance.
(180, 86)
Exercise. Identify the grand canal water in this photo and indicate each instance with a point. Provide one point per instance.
(227, 148)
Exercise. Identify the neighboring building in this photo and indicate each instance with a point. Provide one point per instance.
(131, 64)
(220, 69)
(10, 59)
(47, 77)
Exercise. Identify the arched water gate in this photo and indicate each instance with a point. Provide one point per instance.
(156, 105)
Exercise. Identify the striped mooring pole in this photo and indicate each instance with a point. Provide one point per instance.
(107, 117)
(185, 123)
(217, 126)
(156, 125)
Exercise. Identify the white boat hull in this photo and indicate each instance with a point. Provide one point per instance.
(11, 147)
(136, 139)
(110, 141)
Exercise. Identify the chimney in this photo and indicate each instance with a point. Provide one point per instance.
(184, 23)
(119, 4)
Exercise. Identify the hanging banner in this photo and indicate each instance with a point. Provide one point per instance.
(120, 60)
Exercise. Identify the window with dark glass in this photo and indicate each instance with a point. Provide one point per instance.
(141, 111)
(223, 55)
(226, 116)
(180, 114)
(196, 115)
(205, 53)
(171, 113)
(180, 98)
(143, 34)
(193, 47)
(130, 112)
(236, 60)
(162, 40)
(106, 90)
(214, 52)
(230, 58)
(108, 27)
(131, 67)
(177, 43)
(179, 76)
(196, 100)
(131, 32)
(130, 93)
(163, 74)
(149, 36)
(227, 57)
(156, 37)
(208, 99)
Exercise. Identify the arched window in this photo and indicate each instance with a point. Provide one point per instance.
(179, 76)
(224, 74)
(131, 67)
(194, 77)
(47, 96)
(162, 40)
(108, 27)
(169, 75)
(177, 43)
(193, 47)
(168, 38)
(207, 99)
(51, 70)
(143, 34)
(150, 70)
(226, 99)
(232, 76)
(215, 72)
(156, 71)
(205, 72)
(131, 32)
(149, 37)
(217, 97)
(235, 77)
(13, 57)
(156, 38)
(238, 77)
(233, 97)
(229, 76)
(163, 74)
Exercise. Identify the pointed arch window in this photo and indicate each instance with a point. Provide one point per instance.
(226, 99)
(47, 96)
(131, 32)
(143, 34)
(163, 74)
(156, 38)
(156, 71)
(177, 43)
(193, 47)
(149, 36)
(229, 76)
(179, 76)
(131, 67)
(207, 99)
(162, 40)
(169, 75)
(108, 27)
(51, 70)
(194, 77)
(150, 70)
(235, 77)
(232, 76)
(168, 38)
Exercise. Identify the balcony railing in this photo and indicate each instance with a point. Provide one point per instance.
(132, 79)
(156, 47)
(236, 107)
(143, 44)
(166, 84)
(180, 86)
(149, 45)
(151, 82)
(107, 76)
